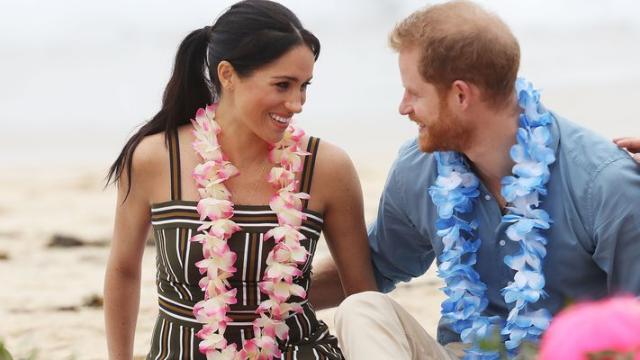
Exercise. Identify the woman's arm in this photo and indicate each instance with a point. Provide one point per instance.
(344, 228)
(122, 277)
(631, 144)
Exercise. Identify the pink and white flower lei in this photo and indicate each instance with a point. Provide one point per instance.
(216, 210)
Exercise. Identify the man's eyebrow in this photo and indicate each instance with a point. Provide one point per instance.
(410, 89)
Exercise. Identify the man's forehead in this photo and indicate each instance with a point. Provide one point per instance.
(408, 62)
(410, 54)
(409, 72)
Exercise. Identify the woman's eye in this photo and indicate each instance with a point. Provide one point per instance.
(305, 85)
(283, 85)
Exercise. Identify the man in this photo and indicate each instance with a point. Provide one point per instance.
(523, 210)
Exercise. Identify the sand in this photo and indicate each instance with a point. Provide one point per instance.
(45, 307)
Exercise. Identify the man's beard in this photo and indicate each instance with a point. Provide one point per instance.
(446, 133)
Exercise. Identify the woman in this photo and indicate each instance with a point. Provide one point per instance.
(226, 195)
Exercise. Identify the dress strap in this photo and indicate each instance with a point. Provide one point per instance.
(307, 170)
(174, 157)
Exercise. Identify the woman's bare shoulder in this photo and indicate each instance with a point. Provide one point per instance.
(332, 159)
(150, 156)
(336, 184)
(333, 170)
(150, 152)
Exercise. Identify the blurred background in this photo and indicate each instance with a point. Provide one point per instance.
(77, 77)
(83, 74)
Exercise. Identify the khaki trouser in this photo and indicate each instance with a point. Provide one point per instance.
(372, 326)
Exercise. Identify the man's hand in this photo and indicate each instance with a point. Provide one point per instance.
(326, 289)
(631, 144)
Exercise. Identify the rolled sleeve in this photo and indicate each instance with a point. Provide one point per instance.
(399, 252)
(615, 210)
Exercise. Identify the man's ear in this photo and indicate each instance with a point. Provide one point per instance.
(226, 75)
(463, 94)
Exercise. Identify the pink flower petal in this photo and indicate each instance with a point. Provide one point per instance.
(611, 324)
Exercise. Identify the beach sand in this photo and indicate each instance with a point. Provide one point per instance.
(48, 307)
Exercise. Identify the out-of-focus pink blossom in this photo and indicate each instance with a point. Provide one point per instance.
(593, 327)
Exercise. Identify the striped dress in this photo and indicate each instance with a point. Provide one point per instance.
(175, 222)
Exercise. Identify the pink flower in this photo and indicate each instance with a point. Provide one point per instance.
(214, 172)
(285, 233)
(261, 348)
(278, 310)
(215, 209)
(296, 252)
(287, 207)
(592, 327)
(215, 190)
(280, 177)
(205, 148)
(281, 271)
(292, 136)
(208, 240)
(218, 285)
(226, 170)
(200, 238)
(211, 342)
(205, 132)
(285, 256)
(280, 291)
(222, 228)
(268, 348)
(271, 327)
(219, 258)
(213, 313)
(228, 353)
(289, 158)
(205, 120)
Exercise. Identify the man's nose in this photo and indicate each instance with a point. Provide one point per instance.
(405, 108)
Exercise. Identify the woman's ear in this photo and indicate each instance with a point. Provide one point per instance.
(226, 75)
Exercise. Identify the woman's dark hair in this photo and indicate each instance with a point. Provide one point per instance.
(249, 35)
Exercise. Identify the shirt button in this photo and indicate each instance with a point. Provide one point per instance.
(487, 197)
(502, 243)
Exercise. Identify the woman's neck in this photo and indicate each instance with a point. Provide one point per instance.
(242, 146)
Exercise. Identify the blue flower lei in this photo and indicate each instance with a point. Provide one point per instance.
(454, 192)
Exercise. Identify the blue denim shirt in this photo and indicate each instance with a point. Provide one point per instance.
(593, 245)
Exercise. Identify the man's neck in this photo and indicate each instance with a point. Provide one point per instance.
(489, 150)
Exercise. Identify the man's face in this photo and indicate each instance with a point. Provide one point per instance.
(439, 128)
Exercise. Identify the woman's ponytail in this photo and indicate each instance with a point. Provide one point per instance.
(187, 90)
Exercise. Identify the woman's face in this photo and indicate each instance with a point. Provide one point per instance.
(266, 100)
